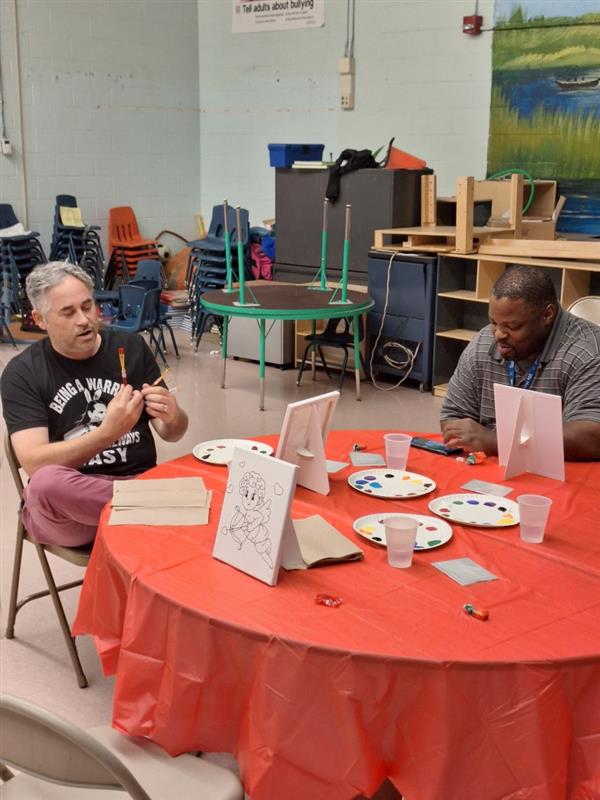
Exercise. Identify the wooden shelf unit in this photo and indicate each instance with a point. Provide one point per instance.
(463, 290)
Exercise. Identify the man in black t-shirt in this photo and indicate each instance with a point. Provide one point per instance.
(74, 424)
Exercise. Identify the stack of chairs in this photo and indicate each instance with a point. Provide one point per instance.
(76, 242)
(207, 266)
(126, 246)
(150, 275)
(20, 252)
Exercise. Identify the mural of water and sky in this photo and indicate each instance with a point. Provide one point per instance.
(545, 105)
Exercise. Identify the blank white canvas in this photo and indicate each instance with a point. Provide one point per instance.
(530, 432)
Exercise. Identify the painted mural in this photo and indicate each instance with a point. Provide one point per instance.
(545, 105)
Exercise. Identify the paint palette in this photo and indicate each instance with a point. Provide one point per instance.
(432, 532)
(220, 451)
(480, 510)
(391, 483)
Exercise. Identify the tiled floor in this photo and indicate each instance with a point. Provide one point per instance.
(35, 664)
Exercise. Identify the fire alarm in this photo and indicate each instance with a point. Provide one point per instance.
(472, 25)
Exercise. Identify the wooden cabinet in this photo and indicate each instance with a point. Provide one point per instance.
(464, 284)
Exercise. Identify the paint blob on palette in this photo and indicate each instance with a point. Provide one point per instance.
(480, 510)
(432, 532)
(391, 483)
(220, 451)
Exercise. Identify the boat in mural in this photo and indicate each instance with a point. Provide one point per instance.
(571, 84)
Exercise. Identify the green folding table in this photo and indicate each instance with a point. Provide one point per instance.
(285, 301)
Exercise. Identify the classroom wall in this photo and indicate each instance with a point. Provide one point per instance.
(156, 104)
(110, 110)
(418, 78)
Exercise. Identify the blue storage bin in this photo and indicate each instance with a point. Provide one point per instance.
(283, 155)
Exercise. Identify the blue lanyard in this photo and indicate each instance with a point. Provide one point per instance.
(528, 378)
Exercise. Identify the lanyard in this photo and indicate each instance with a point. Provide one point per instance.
(528, 378)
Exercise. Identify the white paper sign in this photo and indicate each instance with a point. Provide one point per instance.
(255, 16)
(255, 526)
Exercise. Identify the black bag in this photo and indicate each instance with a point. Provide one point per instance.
(348, 161)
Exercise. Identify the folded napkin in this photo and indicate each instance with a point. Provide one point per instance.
(320, 543)
(165, 501)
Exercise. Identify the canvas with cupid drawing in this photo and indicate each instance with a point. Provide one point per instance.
(255, 528)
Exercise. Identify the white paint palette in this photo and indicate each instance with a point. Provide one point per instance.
(394, 484)
(479, 510)
(432, 532)
(220, 451)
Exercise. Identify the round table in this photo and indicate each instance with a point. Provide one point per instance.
(398, 682)
(286, 301)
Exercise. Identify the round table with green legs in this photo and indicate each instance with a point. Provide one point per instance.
(285, 301)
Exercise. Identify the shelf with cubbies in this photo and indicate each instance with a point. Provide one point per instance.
(333, 355)
(463, 293)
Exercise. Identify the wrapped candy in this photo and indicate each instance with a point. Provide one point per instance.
(478, 613)
(328, 600)
(477, 457)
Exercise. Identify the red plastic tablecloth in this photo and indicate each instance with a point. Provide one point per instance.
(324, 703)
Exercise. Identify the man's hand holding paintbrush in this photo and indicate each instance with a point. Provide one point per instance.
(162, 406)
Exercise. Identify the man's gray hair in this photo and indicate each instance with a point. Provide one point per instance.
(46, 276)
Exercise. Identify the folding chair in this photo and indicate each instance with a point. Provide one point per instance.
(75, 555)
(48, 750)
(587, 308)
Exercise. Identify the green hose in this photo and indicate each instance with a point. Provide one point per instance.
(525, 174)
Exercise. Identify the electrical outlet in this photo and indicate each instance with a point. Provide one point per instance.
(347, 92)
(6, 146)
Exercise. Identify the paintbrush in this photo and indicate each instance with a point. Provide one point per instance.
(121, 352)
(161, 377)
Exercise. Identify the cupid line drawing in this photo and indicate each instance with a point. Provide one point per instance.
(249, 522)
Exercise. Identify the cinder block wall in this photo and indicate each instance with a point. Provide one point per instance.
(418, 78)
(110, 110)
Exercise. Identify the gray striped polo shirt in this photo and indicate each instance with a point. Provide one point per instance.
(569, 366)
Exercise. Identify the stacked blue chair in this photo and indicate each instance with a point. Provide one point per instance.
(149, 274)
(139, 313)
(20, 252)
(207, 266)
(78, 243)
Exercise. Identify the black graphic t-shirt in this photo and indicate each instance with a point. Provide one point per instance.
(42, 389)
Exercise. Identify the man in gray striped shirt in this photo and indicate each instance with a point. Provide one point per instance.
(532, 343)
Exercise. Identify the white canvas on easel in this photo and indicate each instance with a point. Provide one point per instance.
(530, 432)
(302, 439)
(255, 531)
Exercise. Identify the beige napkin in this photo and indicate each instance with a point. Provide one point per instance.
(164, 501)
(320, 543)
(172, 492)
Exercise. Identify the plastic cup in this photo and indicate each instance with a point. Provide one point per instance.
(397, 446)
(533, 515)
(400, 537)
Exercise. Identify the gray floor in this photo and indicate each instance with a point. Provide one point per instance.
(35, 664)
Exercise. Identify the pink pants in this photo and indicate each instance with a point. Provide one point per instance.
(62, 505)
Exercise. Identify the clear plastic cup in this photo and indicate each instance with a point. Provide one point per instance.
(397, 446)
(534, 510)
(400, 537)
